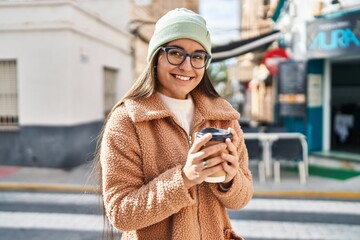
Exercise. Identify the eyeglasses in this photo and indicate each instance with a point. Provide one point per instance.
(176, 56)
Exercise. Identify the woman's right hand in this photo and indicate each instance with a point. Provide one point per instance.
(198, 165)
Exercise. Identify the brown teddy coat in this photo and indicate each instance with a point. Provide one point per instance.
(143, 152)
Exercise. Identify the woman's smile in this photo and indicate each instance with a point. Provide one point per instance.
(181, 77)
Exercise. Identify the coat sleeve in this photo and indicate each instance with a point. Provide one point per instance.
(131, 203)
(241, 190)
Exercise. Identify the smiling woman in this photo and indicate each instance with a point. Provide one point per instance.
(152, 173)
(176, 73)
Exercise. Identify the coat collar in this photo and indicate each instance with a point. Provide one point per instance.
(153, 108)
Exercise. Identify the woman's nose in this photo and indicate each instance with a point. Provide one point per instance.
(186, 65)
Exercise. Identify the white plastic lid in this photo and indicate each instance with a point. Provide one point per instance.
(215, 179)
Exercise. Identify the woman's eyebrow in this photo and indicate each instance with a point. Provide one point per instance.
(174, 46)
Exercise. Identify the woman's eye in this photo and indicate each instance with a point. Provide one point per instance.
(176, 53)
(199, 56)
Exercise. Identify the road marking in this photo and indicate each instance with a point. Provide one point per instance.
(51, 198)
(8, 170)
(294, 230)
(51, 221)
(246, 228)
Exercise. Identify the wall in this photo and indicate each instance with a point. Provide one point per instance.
(53, 80)
(115, 11)
(61, 50)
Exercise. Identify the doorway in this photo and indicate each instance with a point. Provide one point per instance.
(345, 106)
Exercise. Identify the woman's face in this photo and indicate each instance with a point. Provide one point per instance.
(178, 81)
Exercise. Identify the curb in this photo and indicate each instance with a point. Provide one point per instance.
(94, 189)
(47, 187)
(309, 194)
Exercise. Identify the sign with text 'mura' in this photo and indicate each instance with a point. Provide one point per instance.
(328, 37)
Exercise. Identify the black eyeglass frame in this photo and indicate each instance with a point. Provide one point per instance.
(167, 49)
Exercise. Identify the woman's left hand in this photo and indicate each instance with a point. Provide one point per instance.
(231, 164)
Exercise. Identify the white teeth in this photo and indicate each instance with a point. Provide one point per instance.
(182, 78)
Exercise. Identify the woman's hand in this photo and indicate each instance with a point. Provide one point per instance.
(200, 164)
(231, 164)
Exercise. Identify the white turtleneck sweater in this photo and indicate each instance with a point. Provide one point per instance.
(183, 109)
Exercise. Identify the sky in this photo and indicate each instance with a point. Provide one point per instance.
(223, 19)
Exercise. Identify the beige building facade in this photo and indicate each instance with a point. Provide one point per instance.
(255, 81)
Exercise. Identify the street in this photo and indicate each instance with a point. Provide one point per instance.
(49, 216)
(55, 216)
(298, 219)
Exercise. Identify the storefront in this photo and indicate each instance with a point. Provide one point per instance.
(248, 89)
(333, 78)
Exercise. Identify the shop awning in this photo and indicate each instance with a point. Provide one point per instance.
(238, 48)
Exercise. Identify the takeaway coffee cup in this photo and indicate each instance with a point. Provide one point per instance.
(218, 136)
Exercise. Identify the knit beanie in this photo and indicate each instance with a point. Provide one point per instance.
(179, 23)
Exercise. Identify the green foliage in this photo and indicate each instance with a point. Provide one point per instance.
(218, 73)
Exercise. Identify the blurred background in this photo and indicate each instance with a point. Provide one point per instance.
(290, 67)
(285, 65)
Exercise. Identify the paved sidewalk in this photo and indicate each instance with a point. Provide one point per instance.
(315, 186)
(81, 179)
(78, 179)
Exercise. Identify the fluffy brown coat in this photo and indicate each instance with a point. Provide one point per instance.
(142, 156)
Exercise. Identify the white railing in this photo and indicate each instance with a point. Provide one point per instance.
(267, 139)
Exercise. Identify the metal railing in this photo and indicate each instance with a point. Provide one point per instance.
(265, 165)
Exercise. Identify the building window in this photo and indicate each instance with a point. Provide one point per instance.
(8, 95)
(110, 76)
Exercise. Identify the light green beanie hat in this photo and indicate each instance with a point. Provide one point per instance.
(176, 24)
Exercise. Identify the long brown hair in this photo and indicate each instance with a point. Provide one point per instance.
(144, 87)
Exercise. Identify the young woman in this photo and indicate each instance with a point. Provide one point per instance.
(152, 167)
